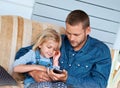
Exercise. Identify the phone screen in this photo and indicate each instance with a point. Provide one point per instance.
(57, 71)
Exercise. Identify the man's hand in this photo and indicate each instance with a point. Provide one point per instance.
(58, 77)
(39, 76)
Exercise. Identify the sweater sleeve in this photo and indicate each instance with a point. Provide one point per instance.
(22, 51)
(29, 57)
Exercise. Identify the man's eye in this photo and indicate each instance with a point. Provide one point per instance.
(76, 34)
(68, 33)
(49, 47)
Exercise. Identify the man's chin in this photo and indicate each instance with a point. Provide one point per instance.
(73, 45)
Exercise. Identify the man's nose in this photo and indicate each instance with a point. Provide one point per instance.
(72, 37)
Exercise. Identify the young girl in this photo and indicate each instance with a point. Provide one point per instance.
(45, 53)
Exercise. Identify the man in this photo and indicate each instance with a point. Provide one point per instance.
(86, 61)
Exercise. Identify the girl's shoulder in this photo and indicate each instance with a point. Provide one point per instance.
(31, 51)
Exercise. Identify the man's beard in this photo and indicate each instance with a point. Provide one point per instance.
(78, 44)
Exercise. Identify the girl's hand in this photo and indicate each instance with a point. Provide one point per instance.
(56, 56)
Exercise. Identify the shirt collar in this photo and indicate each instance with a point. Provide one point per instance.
(86, 45)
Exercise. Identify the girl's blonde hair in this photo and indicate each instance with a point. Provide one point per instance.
(48, 34)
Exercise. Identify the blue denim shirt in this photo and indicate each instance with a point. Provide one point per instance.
(88, 67)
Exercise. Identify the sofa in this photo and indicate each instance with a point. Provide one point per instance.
(17, 32)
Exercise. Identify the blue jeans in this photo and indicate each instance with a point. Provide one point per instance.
(48, 85)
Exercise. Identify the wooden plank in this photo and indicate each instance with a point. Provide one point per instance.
(43, 19)
(103, 36)
(90, 9)
(117, 41)
(95, 23)
(110, 4)
(13, 44)
(95, 33)
(0, 24)
(5, 38)
(27, 33)
(107, 26)
(104, 25)
(45, 11)
(20, 33)
(36, 30)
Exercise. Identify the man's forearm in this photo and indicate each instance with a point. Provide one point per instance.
(39, 76)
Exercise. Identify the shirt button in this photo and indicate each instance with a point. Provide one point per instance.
(62, 62)
(69, 65)
(86, 66)
(78, 65)
(73, 54)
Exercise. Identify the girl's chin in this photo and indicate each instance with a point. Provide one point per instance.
(48, 57)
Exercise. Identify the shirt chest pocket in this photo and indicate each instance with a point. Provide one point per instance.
(81, 68)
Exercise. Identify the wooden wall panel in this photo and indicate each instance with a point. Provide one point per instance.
(104, 20)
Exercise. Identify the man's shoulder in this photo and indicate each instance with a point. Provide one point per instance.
(97, 41)
(101, 49)
(98, 44)
(64, 38)
(23, 51)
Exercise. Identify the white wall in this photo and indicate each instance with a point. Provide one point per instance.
(104, 15)
(117, 41)
(17, 7)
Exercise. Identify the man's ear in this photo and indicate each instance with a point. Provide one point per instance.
(88, 30)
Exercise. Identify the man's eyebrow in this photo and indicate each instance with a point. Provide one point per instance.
(73, 33)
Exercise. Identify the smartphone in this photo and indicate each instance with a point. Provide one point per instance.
(57, 71)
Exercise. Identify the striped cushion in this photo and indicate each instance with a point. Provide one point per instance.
(17, 32)
(114, 78)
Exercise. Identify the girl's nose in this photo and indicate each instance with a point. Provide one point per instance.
(51, 51)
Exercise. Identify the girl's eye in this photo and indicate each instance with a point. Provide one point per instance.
(48, 47)
(55, 49)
